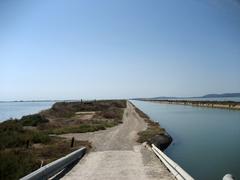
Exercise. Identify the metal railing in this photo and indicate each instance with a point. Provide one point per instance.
(55, 167)
(173, 167)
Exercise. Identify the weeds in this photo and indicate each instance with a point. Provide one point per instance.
(152, 130)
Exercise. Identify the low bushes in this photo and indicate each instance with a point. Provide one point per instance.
(16, 163)
(13, 135)
(83, 128)
(33, 120)
(152, 130)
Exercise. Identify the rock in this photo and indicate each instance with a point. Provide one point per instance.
(161, 141)
(228, 177)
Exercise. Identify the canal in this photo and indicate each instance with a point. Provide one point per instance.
(206, 142)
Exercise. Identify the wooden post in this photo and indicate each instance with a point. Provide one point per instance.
(27, 145)
(72, 143)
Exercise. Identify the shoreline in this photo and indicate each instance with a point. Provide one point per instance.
(231, 105)
(154, 133)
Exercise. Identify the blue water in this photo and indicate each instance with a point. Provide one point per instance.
(205, 141)
(19, 109)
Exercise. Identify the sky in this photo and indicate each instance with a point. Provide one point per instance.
(75, 49)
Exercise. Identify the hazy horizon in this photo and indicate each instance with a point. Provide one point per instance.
(118, 49)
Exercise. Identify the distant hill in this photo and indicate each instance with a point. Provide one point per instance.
(225, 95)
(221, 95)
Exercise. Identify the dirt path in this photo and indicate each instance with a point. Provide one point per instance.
(116, 155)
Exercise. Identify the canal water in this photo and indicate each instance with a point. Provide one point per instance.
(19, 109)
(206, 142)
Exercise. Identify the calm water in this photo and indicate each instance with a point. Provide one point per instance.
(19, 109)
(206, 141)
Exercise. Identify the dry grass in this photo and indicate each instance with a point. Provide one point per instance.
(152, 130)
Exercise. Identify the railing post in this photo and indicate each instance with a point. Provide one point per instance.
(72, 142)
(27, 144)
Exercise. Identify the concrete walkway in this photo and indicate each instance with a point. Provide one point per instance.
(116, 155)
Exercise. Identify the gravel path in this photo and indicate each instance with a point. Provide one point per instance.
(117, 155)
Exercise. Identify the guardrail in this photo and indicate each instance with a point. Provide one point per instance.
(53, 168)
(173, 167)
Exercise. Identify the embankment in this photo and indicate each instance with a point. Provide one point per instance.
(154, 133)
(209, 104)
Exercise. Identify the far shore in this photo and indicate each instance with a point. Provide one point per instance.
(209, 104)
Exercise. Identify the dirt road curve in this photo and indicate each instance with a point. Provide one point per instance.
(116, 155)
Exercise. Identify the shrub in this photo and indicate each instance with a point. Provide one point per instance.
(13, 135)
(152, 129)
(16, 163)
(33, 120)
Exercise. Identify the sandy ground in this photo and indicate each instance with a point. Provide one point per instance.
(117, 155)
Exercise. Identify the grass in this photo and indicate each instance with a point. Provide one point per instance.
(68, 109)
(18, 160)
(152, 130)
(149, 133)
(12, 135)
(89, 126)
(107, 114)
(16, 163)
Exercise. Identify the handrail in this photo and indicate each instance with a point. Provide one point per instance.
(53, 168)
(173, 167)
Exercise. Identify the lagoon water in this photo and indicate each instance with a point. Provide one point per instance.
(19, 109)
(205, 141)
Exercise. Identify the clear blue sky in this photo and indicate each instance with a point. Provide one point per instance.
(72, 49)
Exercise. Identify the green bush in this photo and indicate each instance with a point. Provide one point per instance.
(38, 137)
(15, 163)
(33, 120)
(83, 128)
(13, 135)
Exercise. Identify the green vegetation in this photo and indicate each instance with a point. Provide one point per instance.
(16, 163)
(68, 109)
(82, 128)
(152, 130)
(33, 120)
(25, 143)
(106, 114)
(12, 135)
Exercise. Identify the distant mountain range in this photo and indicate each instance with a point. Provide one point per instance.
(224, 95)
(221, 95)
